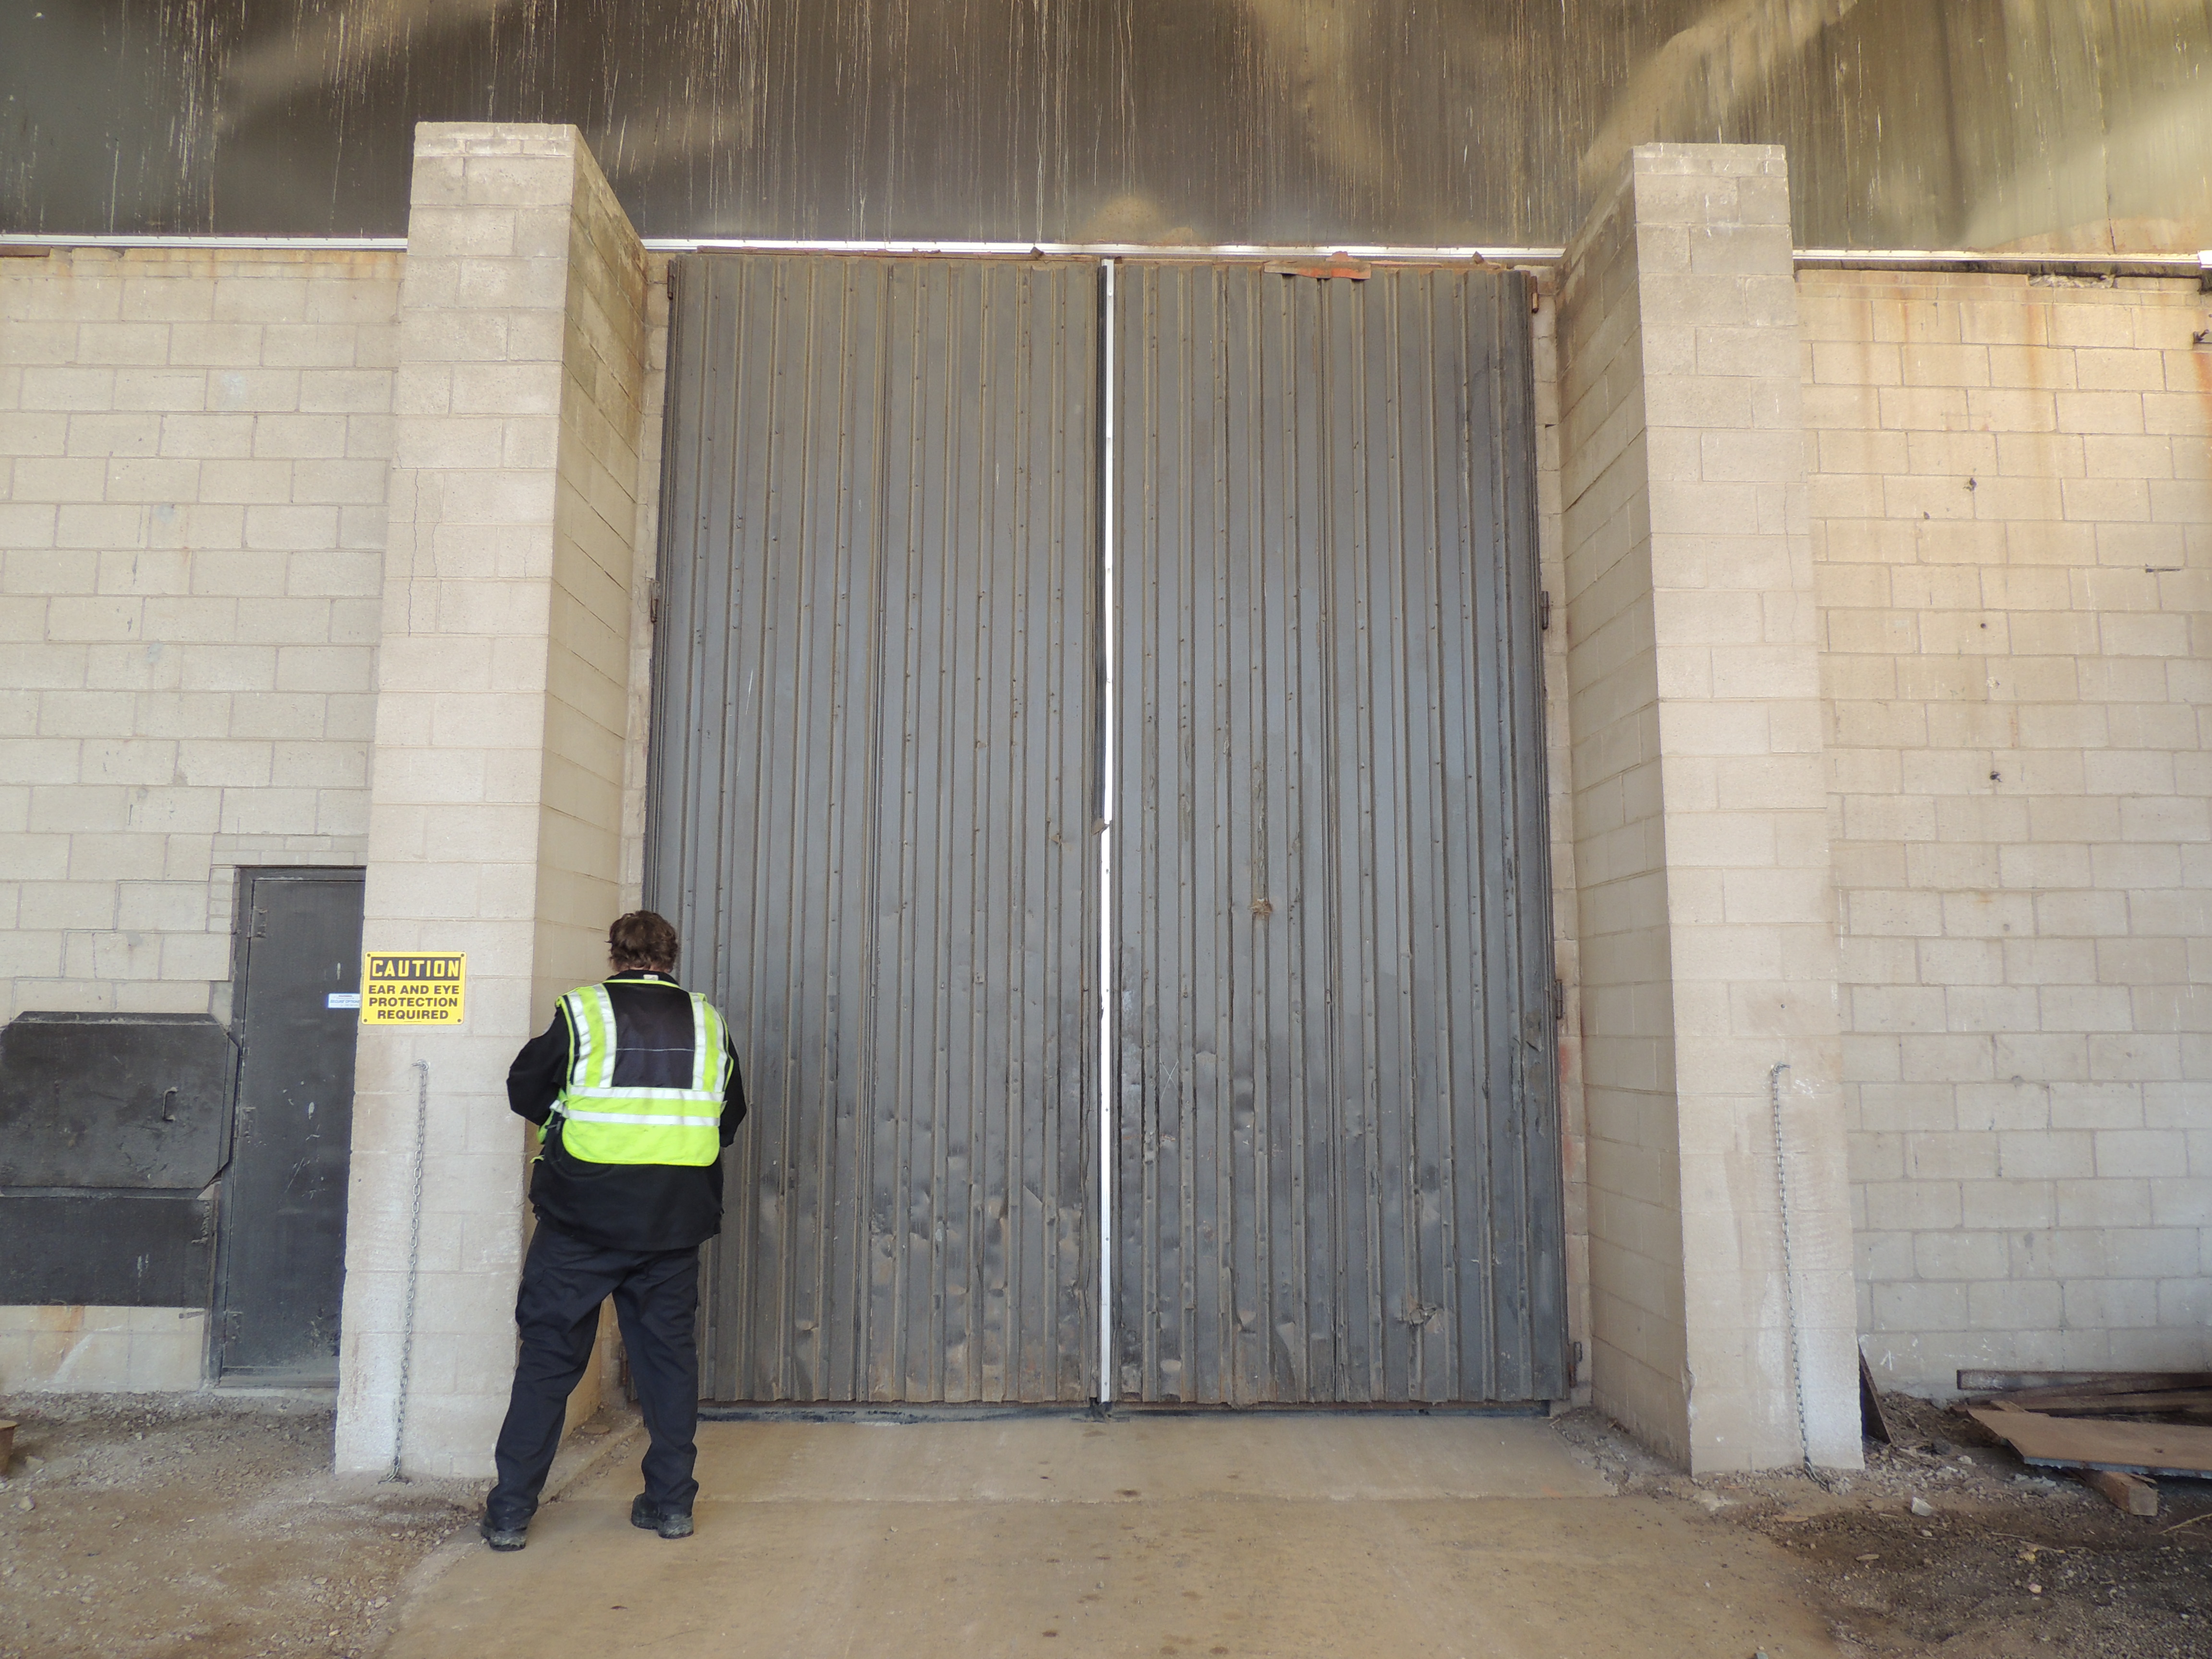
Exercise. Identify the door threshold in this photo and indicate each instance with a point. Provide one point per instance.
(883, 1412)
(278, 1382)
(892, 1413)
(1337, 1408)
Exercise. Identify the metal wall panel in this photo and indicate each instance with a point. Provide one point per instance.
(114, 1100)
(871, 811)
(107, 1247)
(1338, 1173)
(113, 1129)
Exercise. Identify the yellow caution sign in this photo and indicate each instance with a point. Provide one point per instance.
(413, 987)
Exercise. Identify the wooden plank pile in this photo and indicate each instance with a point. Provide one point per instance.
(2118, 1430)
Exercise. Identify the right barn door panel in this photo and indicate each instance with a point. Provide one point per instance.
(1336, 1139)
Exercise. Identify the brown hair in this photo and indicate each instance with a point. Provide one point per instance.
(642, 939)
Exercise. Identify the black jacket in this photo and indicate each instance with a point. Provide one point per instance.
(623, 1207)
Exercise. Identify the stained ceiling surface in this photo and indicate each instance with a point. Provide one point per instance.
(2070, 125)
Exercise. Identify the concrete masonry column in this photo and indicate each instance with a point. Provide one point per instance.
(495, 818)
(1706, 916)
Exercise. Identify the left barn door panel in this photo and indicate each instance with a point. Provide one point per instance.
(282, 1228)
(871, 807)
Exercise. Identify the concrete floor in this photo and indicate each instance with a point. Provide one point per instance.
(1276, 1535)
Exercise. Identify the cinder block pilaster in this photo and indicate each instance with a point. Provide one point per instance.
(1705, 907)
(502, 679)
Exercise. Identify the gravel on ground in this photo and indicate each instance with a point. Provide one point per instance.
(159, 1525)
(2010, 1561)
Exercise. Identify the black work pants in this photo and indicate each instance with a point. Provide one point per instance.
(564, 1280)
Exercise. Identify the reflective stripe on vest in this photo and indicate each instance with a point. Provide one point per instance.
(604, 1122)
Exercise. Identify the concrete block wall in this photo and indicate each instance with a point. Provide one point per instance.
(1637, 1351)
(1750, 912)
(1558, 727)
(99, 1350)
(193, 452)
(503, 697)
(2012, 510)
(595, 530)
(602, 512)
(1723, 1321)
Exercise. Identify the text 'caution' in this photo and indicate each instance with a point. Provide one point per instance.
(413, 987)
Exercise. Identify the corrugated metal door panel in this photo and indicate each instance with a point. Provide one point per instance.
(871, 811)
(1338, 1173)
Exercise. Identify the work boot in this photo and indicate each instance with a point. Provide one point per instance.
(669, 1523)
(504, 1535)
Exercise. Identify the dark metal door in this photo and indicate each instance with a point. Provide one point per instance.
(1338, 1176)
(297, 970)
(870, 812)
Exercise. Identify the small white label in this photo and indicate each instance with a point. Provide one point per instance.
(343, 999)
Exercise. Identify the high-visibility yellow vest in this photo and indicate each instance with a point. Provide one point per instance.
(603, 1121)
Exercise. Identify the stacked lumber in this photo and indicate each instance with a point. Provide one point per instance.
(2096, 1393)
(2095, 1423)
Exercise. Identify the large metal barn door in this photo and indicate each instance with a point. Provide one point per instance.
(1338, 1173)
(871, 811)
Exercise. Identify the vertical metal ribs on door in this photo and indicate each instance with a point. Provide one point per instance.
(879, 692)
(1338, 1169)
(871, 811)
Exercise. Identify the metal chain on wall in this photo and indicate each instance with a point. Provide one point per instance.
(1788, 1266)
(414, 1266)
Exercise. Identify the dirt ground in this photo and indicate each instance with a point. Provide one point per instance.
(2015, 1563)
(155, 1527)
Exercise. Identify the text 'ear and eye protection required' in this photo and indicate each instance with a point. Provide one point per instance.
(413, 987)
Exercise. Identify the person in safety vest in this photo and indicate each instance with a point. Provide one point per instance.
(636, 1092)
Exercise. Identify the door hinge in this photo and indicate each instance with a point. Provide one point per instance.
(260, 929)
(1544, 610)
(229, 1331)
(653, 601)
(1558, 998)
